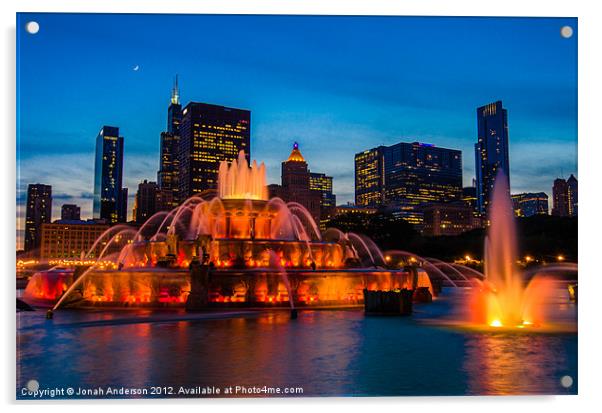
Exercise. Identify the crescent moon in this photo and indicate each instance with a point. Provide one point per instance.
(136, 68)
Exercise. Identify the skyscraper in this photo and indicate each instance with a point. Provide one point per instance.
(565, 195)
(145, 201)
(167, 177)
(296, 183)
(70, 212)
(209, 134)
(407, 176)
(491, 150)
(469, 196)
(572, 187)
(370, 177)
(560, 201)
(322, 184)
(174, 111)
(123, 205)
(37, 212)
(108, 172)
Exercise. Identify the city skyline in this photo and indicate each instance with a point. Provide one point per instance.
(544, 110)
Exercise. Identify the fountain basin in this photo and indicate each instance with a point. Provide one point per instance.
(257, 287)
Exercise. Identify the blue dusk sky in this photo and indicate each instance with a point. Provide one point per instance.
(337, 85)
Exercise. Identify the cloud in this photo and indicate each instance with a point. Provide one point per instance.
(535, 164)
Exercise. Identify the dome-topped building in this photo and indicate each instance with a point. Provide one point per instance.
(295, 155)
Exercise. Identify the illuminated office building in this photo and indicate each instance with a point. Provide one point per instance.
(448, 219)
(351, 208)
(108, 172)
(572, 188)
(68, 239)
(491, 151)
(370, 177)
(167, 177)
(37, 212)
(322, 184)
(209, 134)
(530, 204)
(565, 194)
(407, 176)
(296, 183)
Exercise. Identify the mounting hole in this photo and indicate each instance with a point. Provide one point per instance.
(32, 27)
(33, 385)
(566, 381)
(566, 32)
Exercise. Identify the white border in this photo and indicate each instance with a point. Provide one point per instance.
(590, 148)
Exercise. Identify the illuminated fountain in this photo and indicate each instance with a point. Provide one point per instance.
(259, 252)
(504, 299)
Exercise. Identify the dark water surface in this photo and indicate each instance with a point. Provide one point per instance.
(326, 353)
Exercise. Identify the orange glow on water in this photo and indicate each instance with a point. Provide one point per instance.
(504, 299)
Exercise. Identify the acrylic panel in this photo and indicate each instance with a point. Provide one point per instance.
(295, 206)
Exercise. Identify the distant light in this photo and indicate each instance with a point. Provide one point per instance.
(467, 258)
(560, 258)
(295, 145)
(528, 258)
(388, 258)
(566, 32)
(496, 323)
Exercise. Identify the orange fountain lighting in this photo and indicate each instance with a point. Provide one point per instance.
(239, 181)
(503, 299)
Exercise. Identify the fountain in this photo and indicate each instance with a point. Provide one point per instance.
(503, 299)
(258, 252)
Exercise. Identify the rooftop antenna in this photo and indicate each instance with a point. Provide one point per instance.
(175, 92)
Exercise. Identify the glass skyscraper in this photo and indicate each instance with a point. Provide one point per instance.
(370, 177)
(321, 183)
(209, 134)
(491, 151)
(408, 176)
(108, 174)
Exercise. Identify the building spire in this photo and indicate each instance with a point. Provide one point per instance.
(175, 92)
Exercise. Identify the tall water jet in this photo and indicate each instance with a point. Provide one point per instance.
(503, 299)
